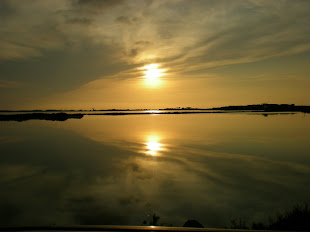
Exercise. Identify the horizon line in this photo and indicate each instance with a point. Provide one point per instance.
(140, 109)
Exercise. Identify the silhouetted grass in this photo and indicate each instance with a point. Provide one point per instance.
(296, 219)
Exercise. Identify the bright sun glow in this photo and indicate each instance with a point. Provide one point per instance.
(152, 74)
(152, 71)
(153, 145)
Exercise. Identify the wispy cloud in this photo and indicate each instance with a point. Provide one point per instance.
(10, 84)
(61, 45)
(191, 34)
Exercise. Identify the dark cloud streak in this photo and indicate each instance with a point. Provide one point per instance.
(94, 6)
(6, 10)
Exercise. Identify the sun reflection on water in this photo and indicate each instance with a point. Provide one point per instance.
(153, 111)
(153, 145)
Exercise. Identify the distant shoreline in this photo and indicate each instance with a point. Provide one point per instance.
(191, 112)
(51, 115)
(39, 116)
(64, 116)
(257, 107)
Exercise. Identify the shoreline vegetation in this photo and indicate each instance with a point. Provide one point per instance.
(295, 219)
(62, 115)
(39, 116)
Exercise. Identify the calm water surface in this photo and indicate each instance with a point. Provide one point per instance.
(123, 169)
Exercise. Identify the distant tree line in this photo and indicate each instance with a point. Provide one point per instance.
(268, 108)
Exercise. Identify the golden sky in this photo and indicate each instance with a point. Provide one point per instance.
(73, 54)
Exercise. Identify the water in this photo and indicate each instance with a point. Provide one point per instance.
(123, 169)
(101, 112)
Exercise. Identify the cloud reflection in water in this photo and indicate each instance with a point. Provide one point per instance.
(118, 170)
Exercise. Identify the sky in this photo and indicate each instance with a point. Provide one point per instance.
(103, 54)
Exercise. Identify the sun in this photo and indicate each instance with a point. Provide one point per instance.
(152, 74)
(152, 71)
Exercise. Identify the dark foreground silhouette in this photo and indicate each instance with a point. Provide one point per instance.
(296, 219)
(267, 108)
(192, 223)
(40, 116)
(264, 109)
(64, 116)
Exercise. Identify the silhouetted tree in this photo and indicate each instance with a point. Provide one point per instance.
(192, 223)
(153, 222)
(238, 224)
(155, 219)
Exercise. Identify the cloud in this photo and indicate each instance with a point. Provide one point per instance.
(143, 43)
(29, 30)
(93, 211)
(185, 33)
(96, 4)
(244, 32)
(61, 45)
(5, 9)
(5, 84)
(82, 20)
(11, 51)
(85, 12)
(126, 20)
